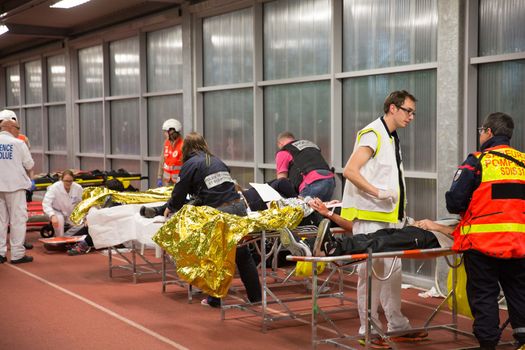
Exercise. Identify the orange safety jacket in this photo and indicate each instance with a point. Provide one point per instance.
(172, 160)
(494, 222)
(23, 137)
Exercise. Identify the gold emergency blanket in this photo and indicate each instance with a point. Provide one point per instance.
(96, 196)
(202, 240)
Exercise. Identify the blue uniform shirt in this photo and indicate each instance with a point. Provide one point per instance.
(468, 178)
(207, 178)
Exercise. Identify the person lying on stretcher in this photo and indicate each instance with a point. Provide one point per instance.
(423, 234)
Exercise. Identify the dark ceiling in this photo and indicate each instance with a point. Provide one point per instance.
(33, 23)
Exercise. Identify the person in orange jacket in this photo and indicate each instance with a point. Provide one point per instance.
(171, 156)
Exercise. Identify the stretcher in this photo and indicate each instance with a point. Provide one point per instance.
(277, 278)
(38, 219)
(90, 178)
(111, 227)
(343, 338)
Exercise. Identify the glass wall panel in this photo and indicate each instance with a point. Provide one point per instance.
(12, 84)
(33, 82)
(56, 78)
(501, 88)
(379, 33)
(39, 162)
(296, 38)
(57, 128)
(88, 163)
(421, 204)
(165, 59)
(153, 168)
(125, 135)
(57, 163)
(501, 28)
(303, 109)
(91, 128)
(159, 109)
(33, 128)
(228, 123)
(228, 48)
(90, 72)
(243, 176)
(124, 66)
(363, 100)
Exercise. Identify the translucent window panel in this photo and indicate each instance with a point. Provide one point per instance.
(501, 88)
(159, 109)
(165, 59)
(382, 33)
(33, 128)
(56, 78)
(501, 28)
(57, 128)
(421, 198)
(38, 168)
(57, 163)
(152, 176)
(12, 82)
(228, 123)
(243, 176)
(90, 72)
(228, 48)
(91, 128)
(303, 109)
(33, 82)
(124, 66)
(297, 38)
(363, 100)
(125, 135)
(88, 163)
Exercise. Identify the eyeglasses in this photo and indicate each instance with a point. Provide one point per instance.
(482, 129)
(408, 110)
(16, 127)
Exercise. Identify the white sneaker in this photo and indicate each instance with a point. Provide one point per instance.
(293, 243)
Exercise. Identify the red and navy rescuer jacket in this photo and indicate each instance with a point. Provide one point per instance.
(489, 192)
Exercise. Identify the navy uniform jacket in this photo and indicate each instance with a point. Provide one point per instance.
(468, 178)
(204, 177)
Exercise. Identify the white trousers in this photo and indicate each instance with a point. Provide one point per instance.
(387, 292)
(59, 229)
(13, 213)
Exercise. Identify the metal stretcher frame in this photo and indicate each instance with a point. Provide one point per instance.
(261, 308)
(138, 264)
(371, 324)
(174, 278)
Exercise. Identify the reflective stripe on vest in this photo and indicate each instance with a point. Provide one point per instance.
(488, 228)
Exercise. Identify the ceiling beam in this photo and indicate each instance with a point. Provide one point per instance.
(37, 31)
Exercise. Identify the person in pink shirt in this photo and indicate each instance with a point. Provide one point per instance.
(301, 161)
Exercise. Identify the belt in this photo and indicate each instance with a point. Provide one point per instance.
(225, 204)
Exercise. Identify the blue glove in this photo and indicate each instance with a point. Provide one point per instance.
(33, 185)
(159, 182)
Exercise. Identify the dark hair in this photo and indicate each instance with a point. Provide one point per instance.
(285, 135)
(194, 142)
(67, 172)
(397, 98)
(115, 185)
(500, 124)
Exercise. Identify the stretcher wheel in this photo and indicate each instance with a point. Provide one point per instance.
(47, 231)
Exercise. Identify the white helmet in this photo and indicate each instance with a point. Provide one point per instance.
(8, 114)
(172, 124)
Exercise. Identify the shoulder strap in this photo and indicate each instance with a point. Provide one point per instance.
(506, 156)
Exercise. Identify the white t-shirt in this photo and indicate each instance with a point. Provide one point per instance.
(15, 161)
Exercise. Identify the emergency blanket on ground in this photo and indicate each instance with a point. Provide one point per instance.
(97, 196)
(203, 241)
(109, 227)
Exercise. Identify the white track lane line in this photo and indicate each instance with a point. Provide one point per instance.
(105, 310)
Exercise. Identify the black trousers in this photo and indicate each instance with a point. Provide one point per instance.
(244, 260)
(483, 275)
(388, 240)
